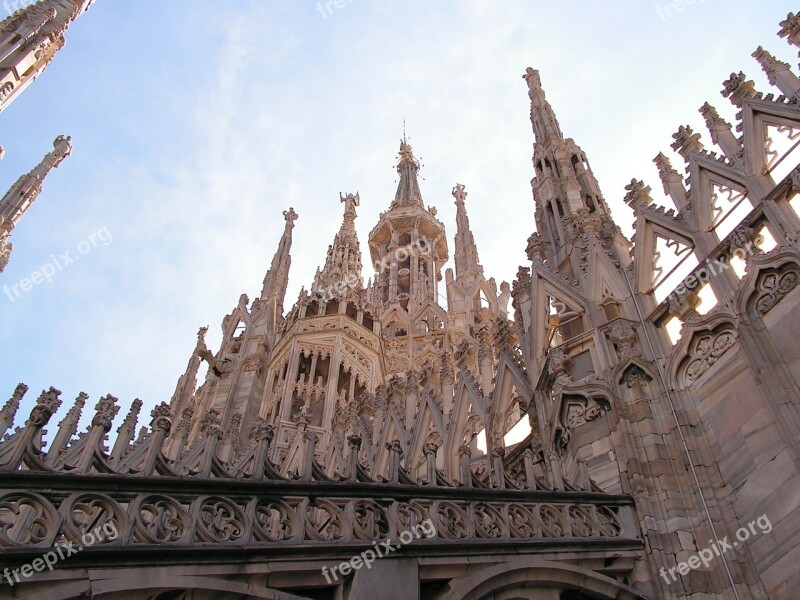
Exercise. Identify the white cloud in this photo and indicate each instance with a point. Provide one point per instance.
(194, 130)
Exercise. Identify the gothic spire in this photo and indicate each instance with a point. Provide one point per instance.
(41, 26)
(24, 192)
(342, 270)
(408, 193)
(9, 410)
(277, 278)
(187, 383)
(543, 118)
(564, 187)
(466, 252)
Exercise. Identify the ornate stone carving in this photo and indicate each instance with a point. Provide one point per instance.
(686, 141)
(161, 520)
(737, 87)
(558, 362)
(161, 418)
(27, 519)
(773, 287)
(623, 336)
(706, 349)
(769, 63)
(84, 513)
(106, 409)
(220, 520)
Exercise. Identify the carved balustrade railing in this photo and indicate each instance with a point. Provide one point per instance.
(146, 457)
(200, 501)
(39, 510)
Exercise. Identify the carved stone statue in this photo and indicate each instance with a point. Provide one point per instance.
(532, 78)
(62, 148)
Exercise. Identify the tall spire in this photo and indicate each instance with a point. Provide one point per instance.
(466, 252)
(408, 245)
(24, 192)
(564, 185)
(30, 39)
(543, 118)
(277, 278)
(408, 193)
(342, 270)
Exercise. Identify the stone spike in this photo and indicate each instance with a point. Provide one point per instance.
(9, 410)
(106, 409)
(277, 278)
(126, 431)
(790, 29)
(638, 194)
(21, 196)
(686, 141)
(466, 251)
(74, 414)
(778, 73)
(721, 132)
(132, 417)
(46, 405)
(713, 121)
(737, 87)
(769, 63)
(67, 428)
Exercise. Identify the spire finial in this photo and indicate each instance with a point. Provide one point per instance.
(342, 271)
(408, 193)
(277, 277)
(290, 217)
(466, 253)
(543, 118)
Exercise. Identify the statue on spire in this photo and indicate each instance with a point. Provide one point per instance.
(459, 193)
(21, 196)
(290, 217)
(533, 80)
(350, 202)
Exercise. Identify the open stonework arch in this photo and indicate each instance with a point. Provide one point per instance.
(540, 579)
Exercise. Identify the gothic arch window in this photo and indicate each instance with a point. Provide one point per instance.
(551, 222)
(368, 321)
(351, 311)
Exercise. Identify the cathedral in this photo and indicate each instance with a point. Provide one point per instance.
(622, 421)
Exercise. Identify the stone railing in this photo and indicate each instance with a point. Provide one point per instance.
(39, 510)
(201, 500)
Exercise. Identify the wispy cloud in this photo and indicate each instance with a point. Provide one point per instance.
(195, 129)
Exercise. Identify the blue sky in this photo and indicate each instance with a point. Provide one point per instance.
(196, 124)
